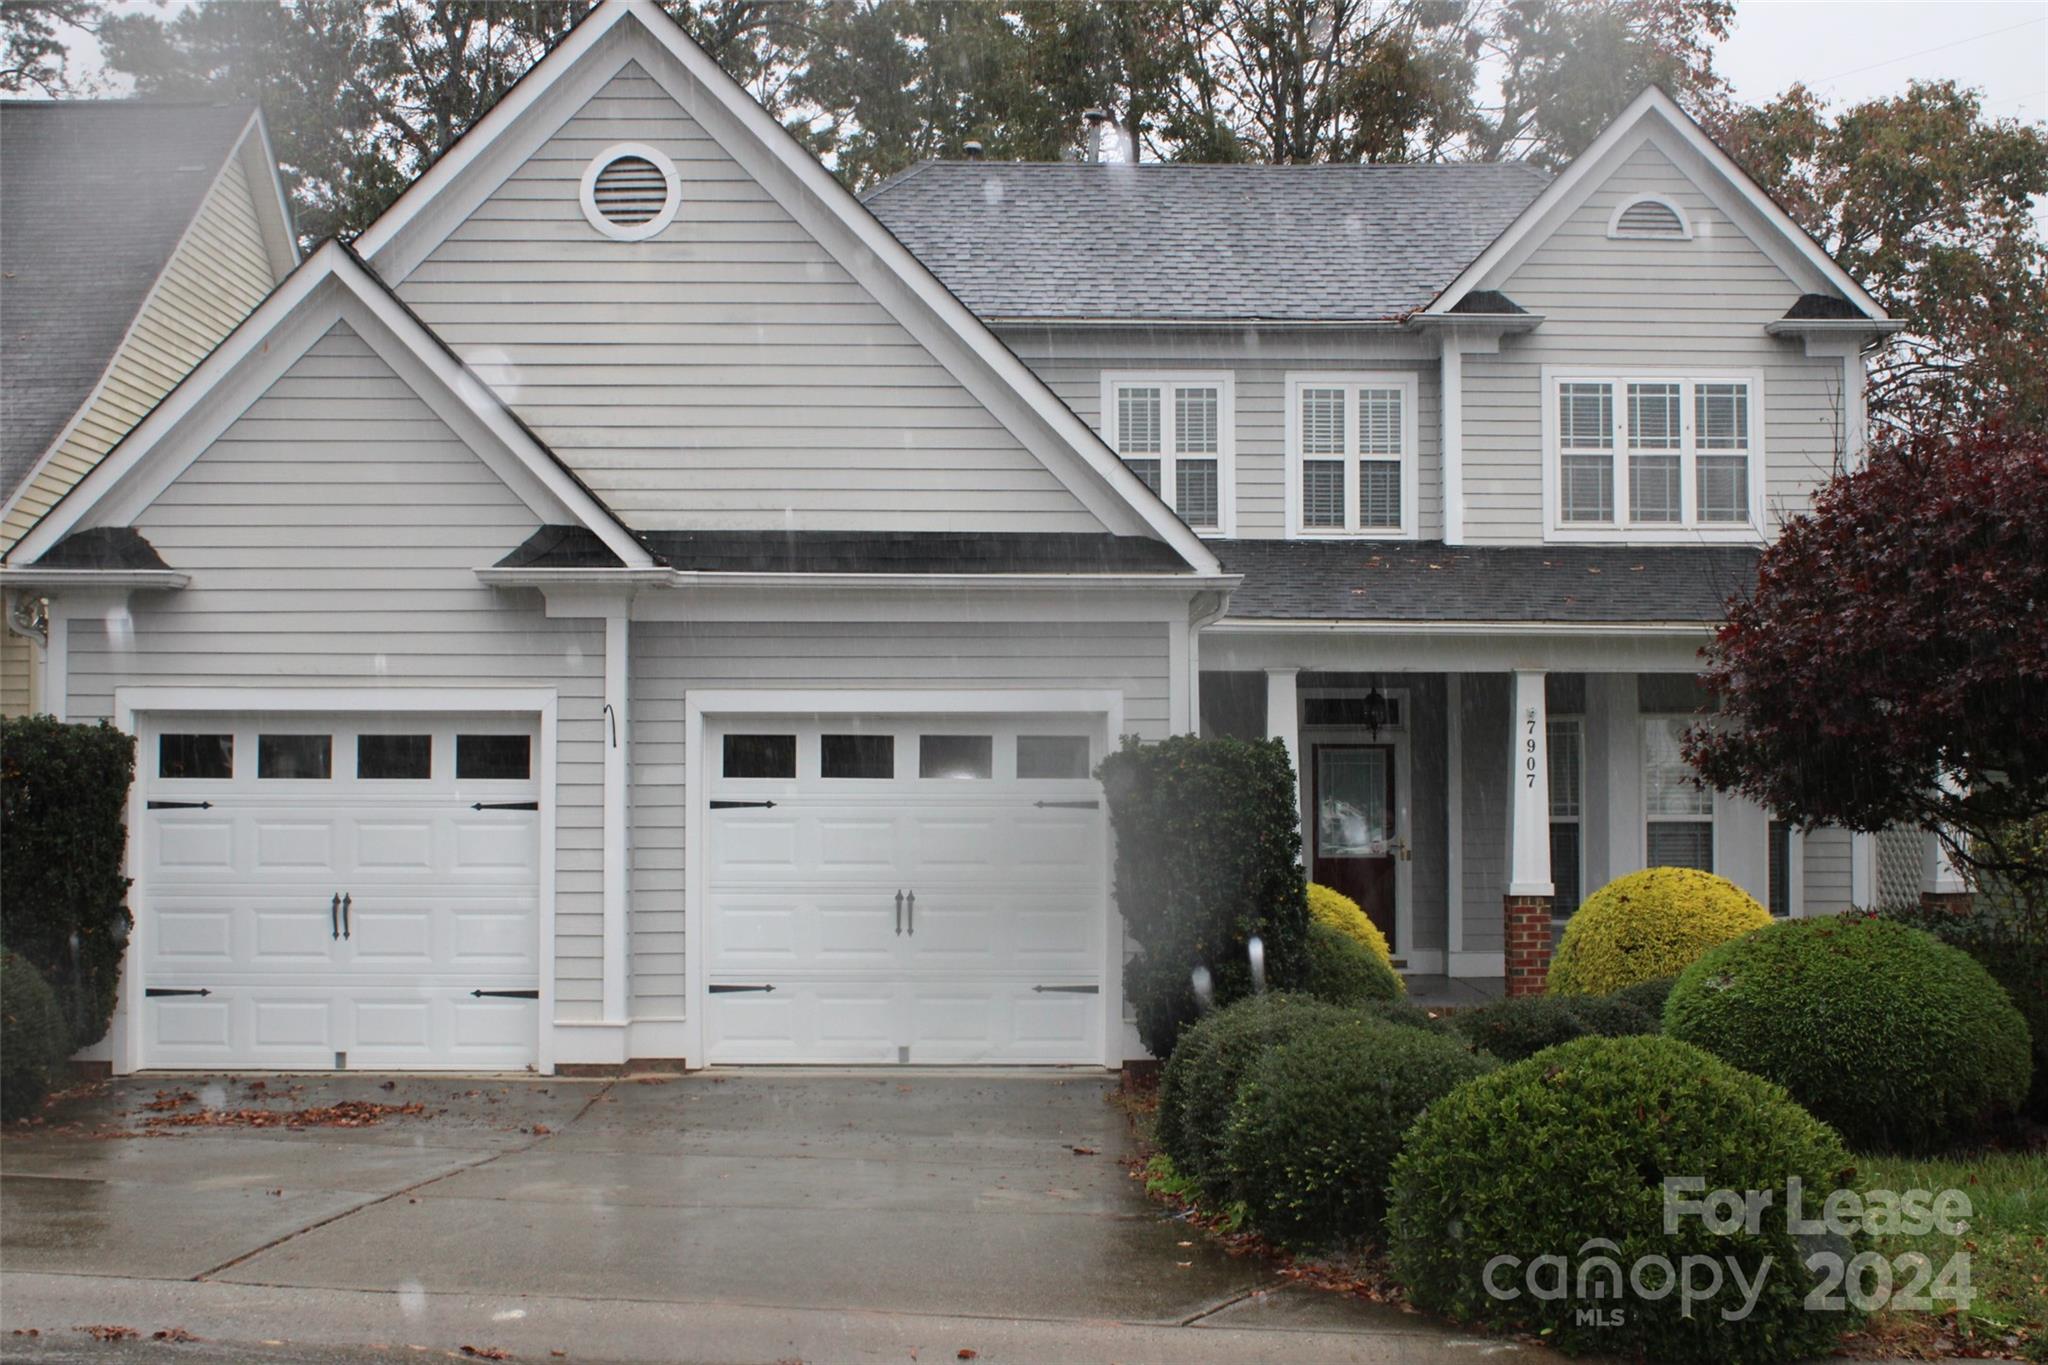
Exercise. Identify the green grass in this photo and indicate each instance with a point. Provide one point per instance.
(2006, 1238)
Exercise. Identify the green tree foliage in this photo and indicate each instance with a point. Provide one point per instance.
(33, 51)
(1928, 204)
(63, 841)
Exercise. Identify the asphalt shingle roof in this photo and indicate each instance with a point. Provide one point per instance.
(572, 547)
(1424, 581)
(1160, 242)
(94, 195)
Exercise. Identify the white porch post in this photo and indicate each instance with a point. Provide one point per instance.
(56, 661)
(1527, 905)
(615, 861)
(1943, 884)
(1451, 436)
(1283, 722)
(1863, 870)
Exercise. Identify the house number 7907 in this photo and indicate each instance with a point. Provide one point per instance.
(1529, 749)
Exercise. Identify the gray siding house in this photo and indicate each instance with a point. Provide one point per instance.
(640, 601)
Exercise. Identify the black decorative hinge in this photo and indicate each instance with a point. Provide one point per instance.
(506, 805)
(1068, 805)
(1067, 990)
(178, 805)
(736, 805)
(508, 995)
(735, 990)
(156, 991)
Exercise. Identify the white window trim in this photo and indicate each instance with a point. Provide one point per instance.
(1688, 530)
(1409, 382)
(1615, 229)
(1577, 724)
(630, 232)
(1225, 384)
(1644, 819)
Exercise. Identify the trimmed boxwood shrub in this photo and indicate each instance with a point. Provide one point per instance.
(1201, 1079)
(1343, 972)
(1564, 1155)
(1208, 856)
(1327, 905)
(1892, 1036)
(1646, 925)
(63, 839)
(2010, 941)
(1522, 1026)
(1407, 1016)
(1648, 996)
(1320, 1118)
(34, 1042)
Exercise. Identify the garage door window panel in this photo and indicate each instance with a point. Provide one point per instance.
(760, 756)
(205, 757)
(493, 758)
(295, 758)
(857, 757)
(1053, 757)
(394, 758)
(956, 757)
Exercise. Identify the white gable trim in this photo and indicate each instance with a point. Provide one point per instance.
(252, 148)
(332, 286)
(561, 82)
(1653, 112)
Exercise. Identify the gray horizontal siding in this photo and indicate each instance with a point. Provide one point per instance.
(727, 373)
(1072, 364)
(1610, 305)
(669, 659)
(1826, 885)
(332, 535)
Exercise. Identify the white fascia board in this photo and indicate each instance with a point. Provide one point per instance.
(1621, 137)
(1046, 425)
(328, 286)
(274, 206)
(692, 579)
(52, 580)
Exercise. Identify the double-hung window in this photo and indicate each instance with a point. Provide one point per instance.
(1653, 454)
(1678, 813)
(1566, 738)
(1174, 431)
(1352, 465)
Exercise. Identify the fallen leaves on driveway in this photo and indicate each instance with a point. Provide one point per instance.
(167, 1100)
(341, 1114)
(1085, 1151)
(104, 1332)
(172, 1334)
(486, 1353)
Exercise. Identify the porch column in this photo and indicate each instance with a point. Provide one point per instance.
(1943, 885)
(1526, 927)
(1283, 722)
(615, 860)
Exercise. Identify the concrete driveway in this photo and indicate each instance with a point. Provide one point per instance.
(747, 1216)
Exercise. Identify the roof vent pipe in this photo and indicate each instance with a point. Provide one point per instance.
(1096, 119)
(973, 150)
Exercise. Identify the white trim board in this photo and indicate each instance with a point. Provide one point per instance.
(619, 32)
(1652, 113)
(702, 704)
(133, 703)
(331, 286)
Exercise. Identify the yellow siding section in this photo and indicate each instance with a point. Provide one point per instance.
(218, 273)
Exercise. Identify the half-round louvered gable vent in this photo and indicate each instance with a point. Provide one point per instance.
(1649, 218)
(630, 192)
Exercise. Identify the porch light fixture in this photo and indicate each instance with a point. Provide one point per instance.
(1374, 711)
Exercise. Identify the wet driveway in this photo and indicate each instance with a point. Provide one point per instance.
(757, 1197)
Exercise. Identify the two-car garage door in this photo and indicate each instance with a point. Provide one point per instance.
(888, 889)
(340, 891)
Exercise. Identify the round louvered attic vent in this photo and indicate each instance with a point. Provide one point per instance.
(630, 192)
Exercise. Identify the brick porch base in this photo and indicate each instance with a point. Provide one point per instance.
(1527, 927)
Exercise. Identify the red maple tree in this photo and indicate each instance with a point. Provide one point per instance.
(1898, 634)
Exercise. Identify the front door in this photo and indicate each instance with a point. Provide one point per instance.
(1353, 831)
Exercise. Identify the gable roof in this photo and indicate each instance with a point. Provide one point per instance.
(1653, 114)
(1151, 242)
(331, 283)
(95, 196)
(618, 31)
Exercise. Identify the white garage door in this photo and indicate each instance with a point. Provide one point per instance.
(892, 890)
(340, 892)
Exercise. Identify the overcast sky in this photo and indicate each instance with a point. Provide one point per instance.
(1847, 49)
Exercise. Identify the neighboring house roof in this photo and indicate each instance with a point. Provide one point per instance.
(1217, 243)
(1425, 582)
(94, 197)
(899, 552)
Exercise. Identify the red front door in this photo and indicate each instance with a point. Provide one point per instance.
(1352, 800)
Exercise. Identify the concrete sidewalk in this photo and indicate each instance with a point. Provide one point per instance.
(750, 1216)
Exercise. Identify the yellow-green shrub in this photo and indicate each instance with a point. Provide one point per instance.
(1649, 924)
(1340, 912)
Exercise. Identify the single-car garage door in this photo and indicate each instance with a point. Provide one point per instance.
(883, 889)
(340, 891)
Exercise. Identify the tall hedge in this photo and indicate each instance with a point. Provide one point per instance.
(63, 837)
(1208, 857)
